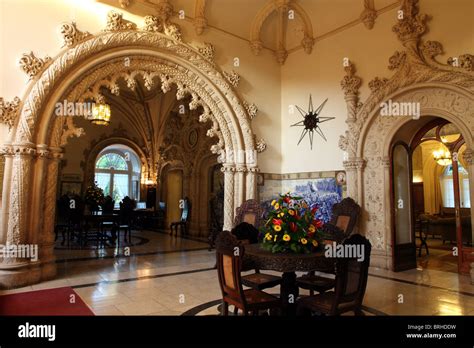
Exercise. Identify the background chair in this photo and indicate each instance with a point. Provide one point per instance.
(229, 254)
(183, 222)
(350, 284)
(343, 221)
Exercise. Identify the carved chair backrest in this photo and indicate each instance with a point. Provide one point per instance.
(352, 271)
(250, 212)
(229, 254)
(345, 215)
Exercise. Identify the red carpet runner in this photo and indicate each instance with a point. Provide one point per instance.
(59, 301)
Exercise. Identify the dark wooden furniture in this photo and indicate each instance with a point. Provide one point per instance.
(343, 221)
(350, 284)
(288, 264)
(229, 253)
(248, 234)
(183, 222)
(247, 221)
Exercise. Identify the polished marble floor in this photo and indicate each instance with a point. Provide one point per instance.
(175, 276)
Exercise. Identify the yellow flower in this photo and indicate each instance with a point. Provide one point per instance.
(277, 206)
(273, 202)
(315, 243)
(277, 228)
(311, 228)
(268, 236)
(291, 212)
(275, 239)
(286, 237)
(281, 214)
(303, 241)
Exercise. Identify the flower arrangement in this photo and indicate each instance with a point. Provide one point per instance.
(291, 226)
(94, 196)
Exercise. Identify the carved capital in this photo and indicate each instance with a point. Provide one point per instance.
(42, 151)
(354, 164)
(26, 149)
(33, 65)
(307, 43)
(228, 169)
(6, 150)
(369, 15)
(281, 54)
(240, 169)
(200, 23)
(467, 156)
(256, 46)
(9, 111)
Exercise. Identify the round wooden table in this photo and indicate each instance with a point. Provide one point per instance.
(288, 264)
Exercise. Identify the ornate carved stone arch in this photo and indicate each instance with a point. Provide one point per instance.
(444, 90)
(34, 146)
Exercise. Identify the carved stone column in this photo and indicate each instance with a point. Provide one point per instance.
(360, 165)
(7, 153)
(351, 178)
(251, 183)
(387, 211)
(20, 193)
(229, 210)
(15, 272)
(239, 183)
(37, 195)
(46, 241)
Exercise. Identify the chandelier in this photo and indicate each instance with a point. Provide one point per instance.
(100, 114)
(442, 157)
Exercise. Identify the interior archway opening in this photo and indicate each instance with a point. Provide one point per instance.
(430, 196)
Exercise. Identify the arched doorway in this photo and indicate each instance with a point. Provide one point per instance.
(430, 196)
(419, 80)
(120, 52)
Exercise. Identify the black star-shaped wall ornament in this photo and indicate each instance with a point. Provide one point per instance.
(311, 121)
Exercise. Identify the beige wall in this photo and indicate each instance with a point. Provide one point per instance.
(321, 72)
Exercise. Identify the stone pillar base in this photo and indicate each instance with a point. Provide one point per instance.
(19, 275)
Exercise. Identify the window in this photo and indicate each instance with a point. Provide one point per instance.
(117, 172)
(447, 187)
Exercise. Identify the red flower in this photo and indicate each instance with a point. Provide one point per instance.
(317, 223)
(286, 199)
(277, 222)
(293, 227)
(314, 210)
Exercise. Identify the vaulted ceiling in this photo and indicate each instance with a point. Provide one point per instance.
(281, 26)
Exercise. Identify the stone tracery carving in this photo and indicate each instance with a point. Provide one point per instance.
(368, 132)
(33, 65)
(207, 51)
(369, 15)
(233, 78)
(200, 21)
(9, 112)
(252, 110)
(115, 22)
(71, 35)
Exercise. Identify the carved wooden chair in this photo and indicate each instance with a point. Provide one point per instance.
(229, 253)
(249, 216)
(183, 222)
(343, 221)
(350, 284)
